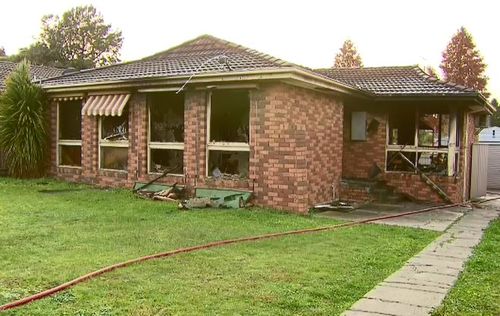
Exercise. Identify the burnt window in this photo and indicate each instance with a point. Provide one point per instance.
(114, 128)
(402, 128)
(227, 164)
(166, 117)
(166, 133)
(229, 116)
(70, 120)
(395, 162)
(115, 158)
(69, 142)
(433, 130)
(114, 142)
(229, 134)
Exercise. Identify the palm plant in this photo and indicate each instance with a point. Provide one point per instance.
(23, 130)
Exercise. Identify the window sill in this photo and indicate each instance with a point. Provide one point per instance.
(167, 175)
(69, 167)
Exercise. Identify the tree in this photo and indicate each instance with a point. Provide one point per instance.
(348, 56)
(23, 131)
(39, 54)
(79, 39)
(462, 64)
(495, 118)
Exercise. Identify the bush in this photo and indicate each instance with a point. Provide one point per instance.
(23, 130)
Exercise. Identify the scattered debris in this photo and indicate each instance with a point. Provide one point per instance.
(217, 198)
(335, 206)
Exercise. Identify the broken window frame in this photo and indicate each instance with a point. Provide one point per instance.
(225, 146)
(162, 145)
(61, 142)
(452, 150)
(106, 143)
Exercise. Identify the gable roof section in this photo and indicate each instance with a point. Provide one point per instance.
(403, 81)
(38, 72)
(194, 56)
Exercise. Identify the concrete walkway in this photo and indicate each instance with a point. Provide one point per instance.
(438, 220)
(423, 282)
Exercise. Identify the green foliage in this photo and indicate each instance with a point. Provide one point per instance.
(79, 39)
(37, 53)
(462, 64)
(48, 239)
(23, 131)
(348, 57)
(495, 118)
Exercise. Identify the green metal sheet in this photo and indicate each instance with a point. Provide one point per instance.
(225, 198)
(154, 187)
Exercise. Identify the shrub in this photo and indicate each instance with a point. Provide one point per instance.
(23, 130)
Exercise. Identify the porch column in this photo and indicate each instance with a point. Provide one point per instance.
(452, 143)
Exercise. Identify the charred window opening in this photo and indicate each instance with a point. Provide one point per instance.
(433, 130)
(166, 159)
(115, 158)
(228, 164)
(70, 120)
(114, 128)
(70, 155)
(166, 133)
(114, 142)
(69, 141)
(433, 162)
(166, 117)
(229, 116)
(397, 163)
(402, 128)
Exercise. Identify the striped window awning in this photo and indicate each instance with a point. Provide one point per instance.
(105, 105)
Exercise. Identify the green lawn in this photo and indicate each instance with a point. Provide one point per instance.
(477, 291)
(47, 239)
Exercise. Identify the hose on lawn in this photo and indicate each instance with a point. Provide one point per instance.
(94, 274)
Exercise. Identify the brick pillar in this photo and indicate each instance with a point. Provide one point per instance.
(90, 147)
(52, 154)
(138, 137)
(278, 162)
(195, 129)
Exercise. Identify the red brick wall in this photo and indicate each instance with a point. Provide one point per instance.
(359, 158)
(295, 147)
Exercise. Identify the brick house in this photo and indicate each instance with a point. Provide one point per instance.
(219, 115)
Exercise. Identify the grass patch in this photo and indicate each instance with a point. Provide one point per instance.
(477, 291)
(48, 239)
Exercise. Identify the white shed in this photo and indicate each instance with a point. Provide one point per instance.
(491, 136)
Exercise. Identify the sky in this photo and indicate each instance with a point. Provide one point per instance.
(309, 33)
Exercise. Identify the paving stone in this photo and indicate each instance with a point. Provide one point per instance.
(389, 308)
(436, 262)
(359, 313)
(424, 278)
(419, 268)
(418, 287)
(406, 296)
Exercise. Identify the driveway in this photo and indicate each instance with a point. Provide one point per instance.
(438, 220)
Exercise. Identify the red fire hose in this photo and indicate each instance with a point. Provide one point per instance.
(170, 253)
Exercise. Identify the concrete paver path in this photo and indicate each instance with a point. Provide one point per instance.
(423, 282)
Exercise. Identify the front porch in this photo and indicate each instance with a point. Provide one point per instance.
(417, 149)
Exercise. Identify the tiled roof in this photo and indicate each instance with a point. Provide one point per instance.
(195, 56)
(38, 72)
(395, 81)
